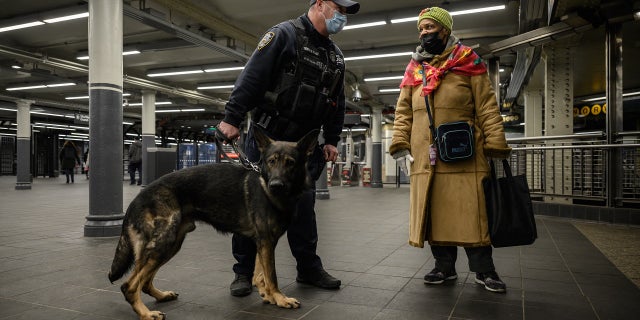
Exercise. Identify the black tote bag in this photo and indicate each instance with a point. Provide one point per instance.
(509, 209)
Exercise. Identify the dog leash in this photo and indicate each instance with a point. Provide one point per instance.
(220, 137)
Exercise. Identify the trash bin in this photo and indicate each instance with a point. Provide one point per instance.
(160, 161)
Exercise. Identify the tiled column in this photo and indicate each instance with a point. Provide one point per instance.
(376, 147)
(23, 119)
(148, 130)
(105, 125)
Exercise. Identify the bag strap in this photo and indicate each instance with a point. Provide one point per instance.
(506, 167)
(426, 101)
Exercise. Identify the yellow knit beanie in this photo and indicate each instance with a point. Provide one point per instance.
(439, 15)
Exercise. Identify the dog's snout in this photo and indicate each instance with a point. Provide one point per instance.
(276, 184)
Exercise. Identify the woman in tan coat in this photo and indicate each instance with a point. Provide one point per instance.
(447, 206)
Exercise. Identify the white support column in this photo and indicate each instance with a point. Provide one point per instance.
(148, 130)
(105, 125)
(376, 147)
(23, 119)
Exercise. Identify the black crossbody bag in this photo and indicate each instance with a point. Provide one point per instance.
(453, 140)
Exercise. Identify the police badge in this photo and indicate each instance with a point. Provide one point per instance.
(266, 40)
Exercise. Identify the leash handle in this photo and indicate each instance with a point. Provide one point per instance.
(220, 138)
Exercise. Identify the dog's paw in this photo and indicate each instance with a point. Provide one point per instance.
(154, 315)
(288, 303)
(167, 296)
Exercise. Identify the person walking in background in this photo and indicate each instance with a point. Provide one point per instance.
(135, 161)
(295, 82)
(69, 159)
(85, 158)
(447, 205)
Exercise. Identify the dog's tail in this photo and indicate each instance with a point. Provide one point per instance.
(123, 258)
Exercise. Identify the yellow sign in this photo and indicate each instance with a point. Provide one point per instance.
(585, 110)
(596, 109)
(604, 108)
(576, 111)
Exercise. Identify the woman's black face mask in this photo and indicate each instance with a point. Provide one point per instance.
(432, 44)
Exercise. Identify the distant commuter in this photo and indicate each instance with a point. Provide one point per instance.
(69, 159)
(135, 161)
(447, 206)
(85, 158)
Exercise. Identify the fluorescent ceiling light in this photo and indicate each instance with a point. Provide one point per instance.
(15, 66)
(173, 73)
(158, 103)
(64, 84)
(222, 86)
(382, 78)
(223, 69)
(376, 56)
(22, 25)
(39, 86)
(69, 17)
(387, 90)
(127, 123)
(180, 110)
(85, 56)
(76, 98)
(453, 13)
(628, 94)
(7, 109)
(365, 25)
(40, 21)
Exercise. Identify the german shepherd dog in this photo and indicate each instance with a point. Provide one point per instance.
(231, 198)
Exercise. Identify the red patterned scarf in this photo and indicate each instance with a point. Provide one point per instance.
(463, 61)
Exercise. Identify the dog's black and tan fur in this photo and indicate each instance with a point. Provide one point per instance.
(227, 196)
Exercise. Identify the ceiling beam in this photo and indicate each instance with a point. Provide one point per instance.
(205, 18)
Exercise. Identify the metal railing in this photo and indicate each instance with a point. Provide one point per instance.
(578, 166)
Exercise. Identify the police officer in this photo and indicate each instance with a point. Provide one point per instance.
(294, 83)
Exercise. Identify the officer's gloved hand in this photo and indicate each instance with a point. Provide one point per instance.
(401, 159)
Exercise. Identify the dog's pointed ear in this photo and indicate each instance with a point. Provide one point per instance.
(261, 137)
(309, 141)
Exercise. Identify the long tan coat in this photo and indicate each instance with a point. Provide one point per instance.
(451, 191)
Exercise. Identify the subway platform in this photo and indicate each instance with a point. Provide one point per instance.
(49, 270)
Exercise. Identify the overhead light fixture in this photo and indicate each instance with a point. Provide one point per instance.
(376, 56)
(180, 110)
(38, 86)
(84, 55)
(373, 78)
(41, 86)
(357, 94)
(21, 26)
(158, 103)
(364, 25)
(16, 65)
(173, 72)
(32, 20)
(222, 69)
(453, 13)
(213, 86)
(388, 89)
(69, 17)
(628, 94)
(636, 15)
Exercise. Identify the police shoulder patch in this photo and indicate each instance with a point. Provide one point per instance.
(266, 40)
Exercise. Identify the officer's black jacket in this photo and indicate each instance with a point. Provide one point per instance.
(262, 71)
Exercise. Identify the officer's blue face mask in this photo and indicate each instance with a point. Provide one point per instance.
(336, 23)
